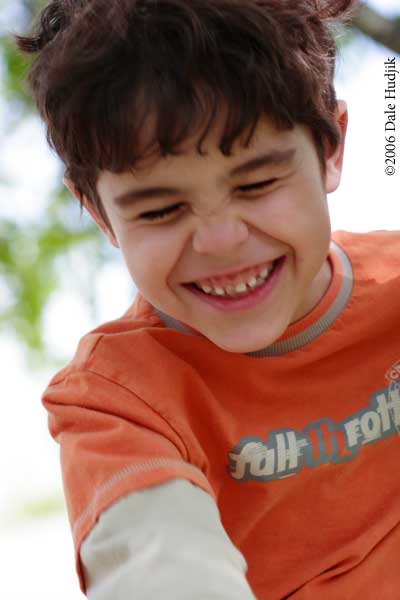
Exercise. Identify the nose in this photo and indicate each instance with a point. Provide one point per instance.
(219, 234)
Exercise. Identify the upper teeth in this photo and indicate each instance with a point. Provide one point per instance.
(241, 287)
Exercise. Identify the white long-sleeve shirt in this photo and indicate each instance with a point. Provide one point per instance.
(166, 541)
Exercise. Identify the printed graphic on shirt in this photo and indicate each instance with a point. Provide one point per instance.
(286, 451)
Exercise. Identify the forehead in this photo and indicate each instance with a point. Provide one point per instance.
(188, 163)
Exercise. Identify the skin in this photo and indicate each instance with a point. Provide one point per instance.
(220, 227)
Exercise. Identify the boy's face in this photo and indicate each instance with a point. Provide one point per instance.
(222, 225)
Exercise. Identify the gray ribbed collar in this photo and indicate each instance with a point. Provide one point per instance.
(310, 333)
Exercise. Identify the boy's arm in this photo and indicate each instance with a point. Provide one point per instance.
(166, 541)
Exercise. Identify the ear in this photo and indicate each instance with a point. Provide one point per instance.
(93, 212)
(334, 160)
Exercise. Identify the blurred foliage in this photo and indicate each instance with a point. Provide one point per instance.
(25, 510)
(30, 271)
(30, 255)
(41, 508)
(14, 73)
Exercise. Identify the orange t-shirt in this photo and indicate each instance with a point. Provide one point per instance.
(298, 443)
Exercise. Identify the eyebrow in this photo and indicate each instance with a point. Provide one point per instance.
(273, 158)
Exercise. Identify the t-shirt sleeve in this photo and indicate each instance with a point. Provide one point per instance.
(111, 443)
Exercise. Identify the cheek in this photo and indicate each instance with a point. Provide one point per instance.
(296, 215)
(282, 215)
(150, 259)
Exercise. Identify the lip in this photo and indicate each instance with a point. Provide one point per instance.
(234, 273)
(247, 302)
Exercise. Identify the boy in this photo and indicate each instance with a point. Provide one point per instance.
(234, 434)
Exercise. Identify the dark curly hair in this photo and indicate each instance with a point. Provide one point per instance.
(104, 66)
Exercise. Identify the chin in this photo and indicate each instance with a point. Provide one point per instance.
(243, 347)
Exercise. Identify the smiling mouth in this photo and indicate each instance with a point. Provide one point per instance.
(229, 292)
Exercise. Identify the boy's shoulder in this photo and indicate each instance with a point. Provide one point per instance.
(364, 242)
(111, 343)
(374, 255)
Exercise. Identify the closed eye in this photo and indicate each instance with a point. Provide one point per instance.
(157, 215)
(257, 186)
